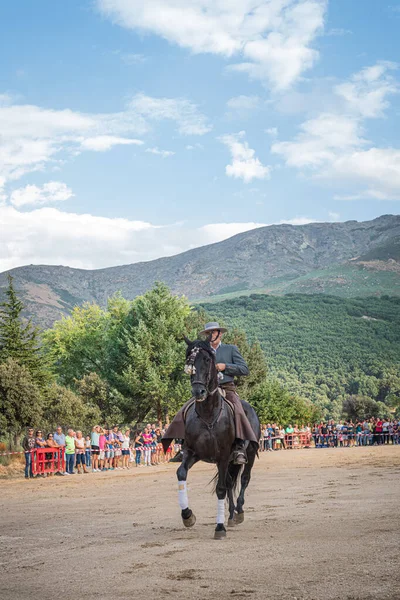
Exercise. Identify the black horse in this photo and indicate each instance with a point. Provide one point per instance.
(210, 435)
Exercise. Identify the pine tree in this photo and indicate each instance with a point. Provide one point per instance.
(19, 339)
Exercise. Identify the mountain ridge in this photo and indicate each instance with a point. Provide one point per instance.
(254, 259)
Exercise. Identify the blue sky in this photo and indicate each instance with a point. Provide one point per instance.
(134, 129)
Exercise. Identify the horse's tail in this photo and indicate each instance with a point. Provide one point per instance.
(232, 478)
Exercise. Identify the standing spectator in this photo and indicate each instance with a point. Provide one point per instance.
(40, 442)
(28, 444)
(159, 447)
(80, 452)
(118, 440)
(125, 449)
(88, 453)
(59, 438)
(147, 440)
(385, 432)
(378, 435)
(138, 447)
(102, 446)
(359, 434)
(95, 447)
(50, 456)
(70, 452)
(289, 432)
(282, 438)
(395, 433)
(109, 450)
(366, 433)
(264, 434)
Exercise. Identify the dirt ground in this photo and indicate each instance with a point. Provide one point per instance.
(319, 524)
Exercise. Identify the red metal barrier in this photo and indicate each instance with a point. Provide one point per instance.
(298, 440)
(48, 460)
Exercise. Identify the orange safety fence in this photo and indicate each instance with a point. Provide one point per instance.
(47, 460)
(298, 440)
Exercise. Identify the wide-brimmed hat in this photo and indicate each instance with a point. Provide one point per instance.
(208, 327)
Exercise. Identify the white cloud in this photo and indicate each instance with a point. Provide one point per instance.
(338, 31)
(183, 112)
(216, 232)
(333, 216)
(243, 103)
(245, 165)
(54, 237)
(194, 147)
(51, 236)
(365, 93)
(163, 153)
(297, 221)
(272, 131)
(332, 146)
(131, 59)
(272, 37)
(101, 143)
(31, 137)
(53, 191)
(319, 141)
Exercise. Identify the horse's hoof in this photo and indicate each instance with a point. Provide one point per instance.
(220, 534)
(190, 521)
(231, 522)
(239, 518)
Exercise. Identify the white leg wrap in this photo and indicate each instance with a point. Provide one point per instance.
(182, 495)
(221, 512)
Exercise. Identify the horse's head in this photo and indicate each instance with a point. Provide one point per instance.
(200, 365)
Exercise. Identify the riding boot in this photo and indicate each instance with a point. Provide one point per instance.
(239, 453)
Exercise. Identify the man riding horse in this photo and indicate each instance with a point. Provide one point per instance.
(229, 363)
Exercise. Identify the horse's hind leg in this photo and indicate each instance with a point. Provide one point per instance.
(233, 473)
(188, 461)
(245, 480)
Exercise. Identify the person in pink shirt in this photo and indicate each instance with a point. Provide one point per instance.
(102, 445)
(147, 441)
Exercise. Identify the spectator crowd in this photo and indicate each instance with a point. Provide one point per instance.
(368, 432)
(109, 449)
(104, 449)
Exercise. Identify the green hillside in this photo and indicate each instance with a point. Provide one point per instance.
(323, 347)
(352, 279)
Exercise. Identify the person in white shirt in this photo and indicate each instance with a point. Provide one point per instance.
(125, 448)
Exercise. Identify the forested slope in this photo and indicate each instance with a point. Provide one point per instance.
(323, 347)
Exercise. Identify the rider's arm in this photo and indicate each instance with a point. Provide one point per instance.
(238, 365)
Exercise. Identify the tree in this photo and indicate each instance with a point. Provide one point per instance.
(78, 345)
(21, 403)
(97, 394)
(361, 407)
(274, 404)
(19, 339)
(63, 407)
(151, 339)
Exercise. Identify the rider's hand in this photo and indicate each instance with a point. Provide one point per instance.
(220, 366)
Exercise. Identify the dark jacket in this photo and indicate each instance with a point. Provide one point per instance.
(28, 443)
(235, 363)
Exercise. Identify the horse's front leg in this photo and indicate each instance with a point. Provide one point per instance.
(188, 460)
(221, 490)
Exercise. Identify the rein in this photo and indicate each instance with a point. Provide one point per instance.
(191, 370)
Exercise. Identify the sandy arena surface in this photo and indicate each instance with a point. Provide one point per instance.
(319, 524)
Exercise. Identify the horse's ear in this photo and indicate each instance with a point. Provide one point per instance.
(208, 338)
(188, 342)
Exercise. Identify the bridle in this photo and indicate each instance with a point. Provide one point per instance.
(190, 369)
